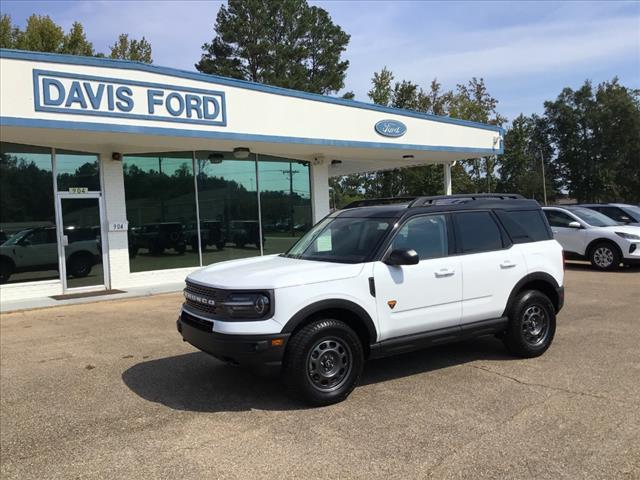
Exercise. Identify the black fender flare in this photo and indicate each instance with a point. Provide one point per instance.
(531, 277)
(333, 304)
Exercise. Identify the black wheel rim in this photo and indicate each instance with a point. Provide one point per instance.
(535, 325)
(329, 364)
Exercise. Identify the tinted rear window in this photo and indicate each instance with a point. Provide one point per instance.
(477, 232)
(524, 225)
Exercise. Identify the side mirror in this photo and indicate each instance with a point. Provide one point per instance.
(575, 225)
(402, 257)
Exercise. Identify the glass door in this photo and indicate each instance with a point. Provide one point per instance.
(80, 238)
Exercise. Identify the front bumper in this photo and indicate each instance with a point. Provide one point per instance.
(258, 350)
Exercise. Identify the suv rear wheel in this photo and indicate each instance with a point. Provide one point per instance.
(604, 256)
(323, 362)
(532, 324)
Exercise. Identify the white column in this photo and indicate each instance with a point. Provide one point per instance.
(319, 189)
(447, 178)
(115, 211)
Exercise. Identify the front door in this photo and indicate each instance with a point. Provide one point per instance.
(80, 236)
(427, 296)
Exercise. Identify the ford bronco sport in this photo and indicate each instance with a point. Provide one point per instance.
(377, 279)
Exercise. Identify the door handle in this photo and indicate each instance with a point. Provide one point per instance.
(507, 264)
(444, 272)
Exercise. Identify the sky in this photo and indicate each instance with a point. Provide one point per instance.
(527, 52)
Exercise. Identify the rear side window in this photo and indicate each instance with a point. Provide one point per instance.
(524, 226)
(477, 232)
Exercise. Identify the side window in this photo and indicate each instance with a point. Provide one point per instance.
(524, 225)
(477, 232)
(613, 212)
(426, 235)
(38, 237)
(558, 219)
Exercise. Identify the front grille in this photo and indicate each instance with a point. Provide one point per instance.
(215, 294)
(196, 322)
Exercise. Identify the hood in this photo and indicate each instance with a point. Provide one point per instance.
(624, 229)
(272, 271)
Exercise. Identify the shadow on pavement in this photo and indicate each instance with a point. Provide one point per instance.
(200, 383)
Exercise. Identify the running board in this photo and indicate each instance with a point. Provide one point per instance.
(418, 341)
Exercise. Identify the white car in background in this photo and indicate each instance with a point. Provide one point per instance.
(587, 234)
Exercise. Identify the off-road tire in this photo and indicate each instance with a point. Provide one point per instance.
(532, 324)
(336, 347)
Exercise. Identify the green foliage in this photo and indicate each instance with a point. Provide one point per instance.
(135, 50)
(596, 135)
(76, 43)
(41, 34)
(8, 33)
(286, 43)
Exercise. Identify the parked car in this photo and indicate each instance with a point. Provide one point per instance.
(378, 280)
(211, 233)
(620, 212)
(590, 235)
(243, 232)
(158, 237)
(36, 249)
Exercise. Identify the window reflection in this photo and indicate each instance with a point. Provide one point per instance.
(228, 203)
(28, 245)
(161, 209)
(285, 200)
(77, 170)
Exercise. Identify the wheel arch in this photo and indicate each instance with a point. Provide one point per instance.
(9, 260)
(344, 310)
(598, 240)
(540, 281)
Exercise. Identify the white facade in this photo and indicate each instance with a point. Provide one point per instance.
(104, 106)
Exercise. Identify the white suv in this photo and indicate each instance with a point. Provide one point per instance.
(587, 234)
(375, 280)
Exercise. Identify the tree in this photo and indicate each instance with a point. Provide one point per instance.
(8, 33)
(135, 50)
(596, 136)
(286, 43)
(41, 34)
(75, 42)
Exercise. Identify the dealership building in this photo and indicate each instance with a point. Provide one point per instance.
(118, 174)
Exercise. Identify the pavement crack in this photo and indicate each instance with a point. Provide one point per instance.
(549, 387)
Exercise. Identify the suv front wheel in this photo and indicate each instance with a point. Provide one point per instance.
(532, 324)
(323, 362)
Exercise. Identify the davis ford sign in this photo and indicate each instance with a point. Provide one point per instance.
(391, 128)
(62, 92)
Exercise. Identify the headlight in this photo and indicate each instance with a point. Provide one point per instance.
(628, 236)
(247, 305)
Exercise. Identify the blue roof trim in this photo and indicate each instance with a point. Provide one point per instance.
(130, 65)
(224, 135)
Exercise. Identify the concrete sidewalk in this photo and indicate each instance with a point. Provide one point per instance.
(48, 302)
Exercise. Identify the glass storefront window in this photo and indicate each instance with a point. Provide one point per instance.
(228, 205)
(77, 170)
(161, 210)
(285, 201)
(28, 245)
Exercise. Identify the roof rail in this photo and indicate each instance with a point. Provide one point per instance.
(463, 198)
(370, 202)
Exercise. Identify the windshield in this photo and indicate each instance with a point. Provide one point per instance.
(15, 238)
(344, 240)
(593, 218)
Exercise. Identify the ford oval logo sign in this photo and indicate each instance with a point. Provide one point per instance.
(391, 128)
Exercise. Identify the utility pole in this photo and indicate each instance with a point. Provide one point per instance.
(544, 180)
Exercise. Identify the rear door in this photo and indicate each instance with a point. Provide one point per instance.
(417, 298)
(491, 265)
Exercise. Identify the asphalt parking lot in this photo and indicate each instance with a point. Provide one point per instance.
(108, 390)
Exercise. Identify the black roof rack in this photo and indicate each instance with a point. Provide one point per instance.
(370, 202)
(462, 198)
